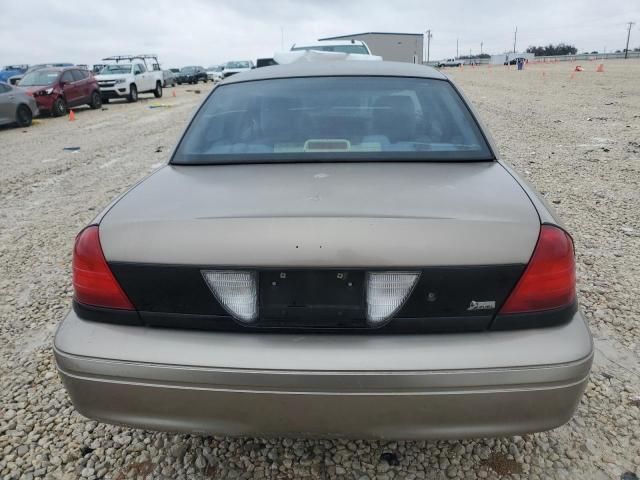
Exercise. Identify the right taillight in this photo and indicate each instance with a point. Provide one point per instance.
(549, 281)
(93, 281)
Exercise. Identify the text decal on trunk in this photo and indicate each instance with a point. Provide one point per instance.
(487, 305)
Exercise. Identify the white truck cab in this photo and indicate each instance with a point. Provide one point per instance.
(126, 76)
(356, 49)
(451, 62)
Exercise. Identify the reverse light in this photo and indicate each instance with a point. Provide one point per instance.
(387, 292)
(237, 292)
(549, 281)
(93, 281)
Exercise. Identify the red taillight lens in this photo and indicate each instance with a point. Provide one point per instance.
(93, 282)
(549, 281)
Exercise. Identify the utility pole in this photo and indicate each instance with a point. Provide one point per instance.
(457, 54)
(428, 43)
(515, 38)
(481, 43)
(626, 50)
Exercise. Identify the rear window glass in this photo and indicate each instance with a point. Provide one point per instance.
(333, 118)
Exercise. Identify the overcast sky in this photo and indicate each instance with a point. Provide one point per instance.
(207, 32)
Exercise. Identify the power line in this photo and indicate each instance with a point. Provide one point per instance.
(626, 50)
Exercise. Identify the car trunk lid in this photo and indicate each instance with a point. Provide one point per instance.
(313, 232)
(324, 215)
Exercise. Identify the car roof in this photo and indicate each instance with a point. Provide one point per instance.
(338, 68)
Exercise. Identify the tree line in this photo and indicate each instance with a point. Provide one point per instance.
(551, 49)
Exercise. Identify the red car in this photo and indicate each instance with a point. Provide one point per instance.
(58, 89)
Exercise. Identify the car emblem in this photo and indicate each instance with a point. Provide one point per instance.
(486, 305)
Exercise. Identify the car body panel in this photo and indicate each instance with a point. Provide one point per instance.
(321, 215)
(563, 344)
(409, 386)
(10, 100)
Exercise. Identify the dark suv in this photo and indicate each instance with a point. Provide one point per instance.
(191, 75)
(58, 89)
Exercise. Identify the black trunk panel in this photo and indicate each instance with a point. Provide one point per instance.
(444, 299)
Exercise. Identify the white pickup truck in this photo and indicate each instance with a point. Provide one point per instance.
(450, 62)
(126, 76)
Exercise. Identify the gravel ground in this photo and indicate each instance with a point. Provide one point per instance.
(576, 139)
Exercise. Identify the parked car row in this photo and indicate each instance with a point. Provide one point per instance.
(53, 89)
(193, 74)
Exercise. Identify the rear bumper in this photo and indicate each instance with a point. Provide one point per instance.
(404, 387)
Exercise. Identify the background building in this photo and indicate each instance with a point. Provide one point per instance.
(398, 47)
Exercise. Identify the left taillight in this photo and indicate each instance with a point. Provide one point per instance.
(93, 281)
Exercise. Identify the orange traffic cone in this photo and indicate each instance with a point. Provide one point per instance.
(600, 68)
(173, 94)
(72, 116)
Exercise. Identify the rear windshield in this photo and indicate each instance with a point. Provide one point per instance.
(333, 119)
(359, 49)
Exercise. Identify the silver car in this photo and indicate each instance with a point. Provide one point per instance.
(334, 250)
(168, 79)
(16, 107)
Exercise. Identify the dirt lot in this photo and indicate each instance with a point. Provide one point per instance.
(576, 139)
